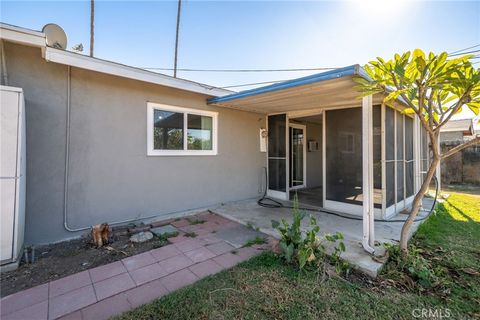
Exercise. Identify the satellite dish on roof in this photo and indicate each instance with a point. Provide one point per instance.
(56, 37)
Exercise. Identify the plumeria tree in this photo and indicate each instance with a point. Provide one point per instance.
(434, 87)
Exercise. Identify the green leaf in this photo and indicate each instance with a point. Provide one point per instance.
(275, 224)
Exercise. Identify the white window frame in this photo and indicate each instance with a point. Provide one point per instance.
(151, 106)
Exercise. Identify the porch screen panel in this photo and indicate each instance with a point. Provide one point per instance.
(377, 156)
(390, 155)
(400, 158)
(408, 156)
(277, 152)
(344, 155)
(424, 152)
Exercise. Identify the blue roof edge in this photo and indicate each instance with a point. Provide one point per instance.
(318, 77)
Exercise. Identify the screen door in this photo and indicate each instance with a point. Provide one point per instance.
(277, 156)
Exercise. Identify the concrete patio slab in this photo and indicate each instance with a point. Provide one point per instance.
(238, 236)
(250, 213)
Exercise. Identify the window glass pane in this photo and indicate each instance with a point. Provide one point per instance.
(344, 155)
(199, 132)
(167, 130)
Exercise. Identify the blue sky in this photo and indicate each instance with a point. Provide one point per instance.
(248, 34)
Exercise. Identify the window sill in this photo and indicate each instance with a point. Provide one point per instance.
(181, 153)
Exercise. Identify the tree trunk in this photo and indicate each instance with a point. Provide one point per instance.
(417, 202)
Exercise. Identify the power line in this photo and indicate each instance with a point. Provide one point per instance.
(252, 84)
(241, 70)
(463, 53)
(478, 45)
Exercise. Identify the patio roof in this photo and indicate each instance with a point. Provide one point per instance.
(326, 89)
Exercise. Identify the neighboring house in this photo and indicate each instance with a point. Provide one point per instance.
(112, 143)
(457, 130)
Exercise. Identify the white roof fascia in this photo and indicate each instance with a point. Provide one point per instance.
(116, 69)
(22, 36)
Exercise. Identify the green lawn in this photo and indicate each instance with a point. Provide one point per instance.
(265, 288)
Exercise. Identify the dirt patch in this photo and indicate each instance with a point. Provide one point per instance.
(65, 258)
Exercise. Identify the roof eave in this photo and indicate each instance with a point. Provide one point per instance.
(329, 75)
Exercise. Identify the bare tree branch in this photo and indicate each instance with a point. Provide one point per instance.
(461, 147)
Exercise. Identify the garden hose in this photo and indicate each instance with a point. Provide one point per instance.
(267, 202)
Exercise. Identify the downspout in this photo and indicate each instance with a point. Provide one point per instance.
(4, 65)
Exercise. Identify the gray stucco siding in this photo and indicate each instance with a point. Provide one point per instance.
(110, 176)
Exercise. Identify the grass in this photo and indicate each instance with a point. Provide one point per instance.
(265, 288)
(254, 241)
(196, 221)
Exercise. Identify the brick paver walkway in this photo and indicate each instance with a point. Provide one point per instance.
(111, 289)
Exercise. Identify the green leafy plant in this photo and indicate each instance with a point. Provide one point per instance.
(412, 264)
(306, 249)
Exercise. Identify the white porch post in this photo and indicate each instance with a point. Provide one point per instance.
(367, 168)
(417, 154)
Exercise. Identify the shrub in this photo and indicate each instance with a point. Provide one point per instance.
(306, 249)
(413, 264)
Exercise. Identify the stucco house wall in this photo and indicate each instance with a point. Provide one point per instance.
(110, 176)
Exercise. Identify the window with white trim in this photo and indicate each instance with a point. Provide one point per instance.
(176, 131)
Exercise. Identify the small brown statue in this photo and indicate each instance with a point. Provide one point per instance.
(100, 234)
